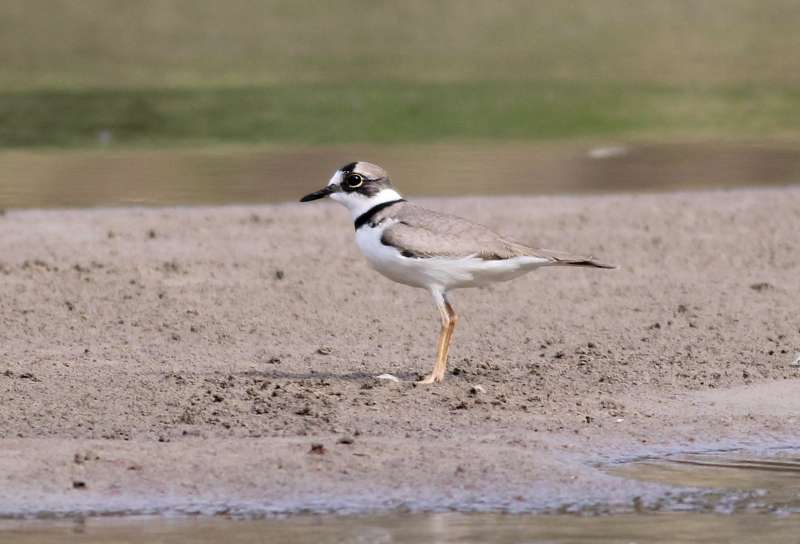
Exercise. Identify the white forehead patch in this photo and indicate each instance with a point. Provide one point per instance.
(337, 178)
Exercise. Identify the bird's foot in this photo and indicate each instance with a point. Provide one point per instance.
(431, 378)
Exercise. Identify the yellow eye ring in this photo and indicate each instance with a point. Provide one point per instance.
(354, 181)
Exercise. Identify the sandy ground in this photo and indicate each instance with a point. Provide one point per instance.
(191, 359)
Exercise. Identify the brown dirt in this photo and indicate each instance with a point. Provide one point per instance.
(212, 358)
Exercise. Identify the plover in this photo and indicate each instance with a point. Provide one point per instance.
(424, 248)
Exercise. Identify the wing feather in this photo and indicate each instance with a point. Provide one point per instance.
(421, 233)
(424, 233)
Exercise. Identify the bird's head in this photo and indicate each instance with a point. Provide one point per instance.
(358, 186)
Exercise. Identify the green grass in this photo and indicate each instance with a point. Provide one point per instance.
(185, 72)
(391, 113)
(194, 43)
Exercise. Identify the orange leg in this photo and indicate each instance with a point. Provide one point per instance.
(449, 320)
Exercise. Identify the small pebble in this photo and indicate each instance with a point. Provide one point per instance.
(324, 350)
(760, 286)
(388, 377)
(318, 449)
(477, 389)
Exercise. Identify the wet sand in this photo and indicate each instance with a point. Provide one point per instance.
(223, 358)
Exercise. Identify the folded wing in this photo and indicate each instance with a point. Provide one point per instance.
(420, 233)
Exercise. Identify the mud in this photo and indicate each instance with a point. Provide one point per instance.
(222, 359)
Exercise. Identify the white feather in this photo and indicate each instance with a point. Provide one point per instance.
(358, 203)
(438, 273)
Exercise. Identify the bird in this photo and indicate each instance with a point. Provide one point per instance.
(428, 249)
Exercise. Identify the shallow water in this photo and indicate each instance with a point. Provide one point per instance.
(224, 176)
(721, 497)
(738, 483)
(440, 528)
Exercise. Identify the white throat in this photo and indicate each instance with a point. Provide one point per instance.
(358, 203)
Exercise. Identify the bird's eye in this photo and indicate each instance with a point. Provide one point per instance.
(354, 180)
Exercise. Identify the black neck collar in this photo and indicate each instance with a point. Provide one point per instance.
(365, 217)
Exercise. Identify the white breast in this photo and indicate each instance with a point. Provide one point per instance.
(441, 273)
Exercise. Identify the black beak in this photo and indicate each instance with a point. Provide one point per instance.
(322, 193)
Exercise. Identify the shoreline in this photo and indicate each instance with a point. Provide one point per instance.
(574, 485)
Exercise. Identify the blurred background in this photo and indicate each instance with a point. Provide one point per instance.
(113, 102)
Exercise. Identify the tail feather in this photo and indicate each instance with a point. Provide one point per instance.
(588, 262)
(559, 258)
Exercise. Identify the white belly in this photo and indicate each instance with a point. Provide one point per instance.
(440, 273)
